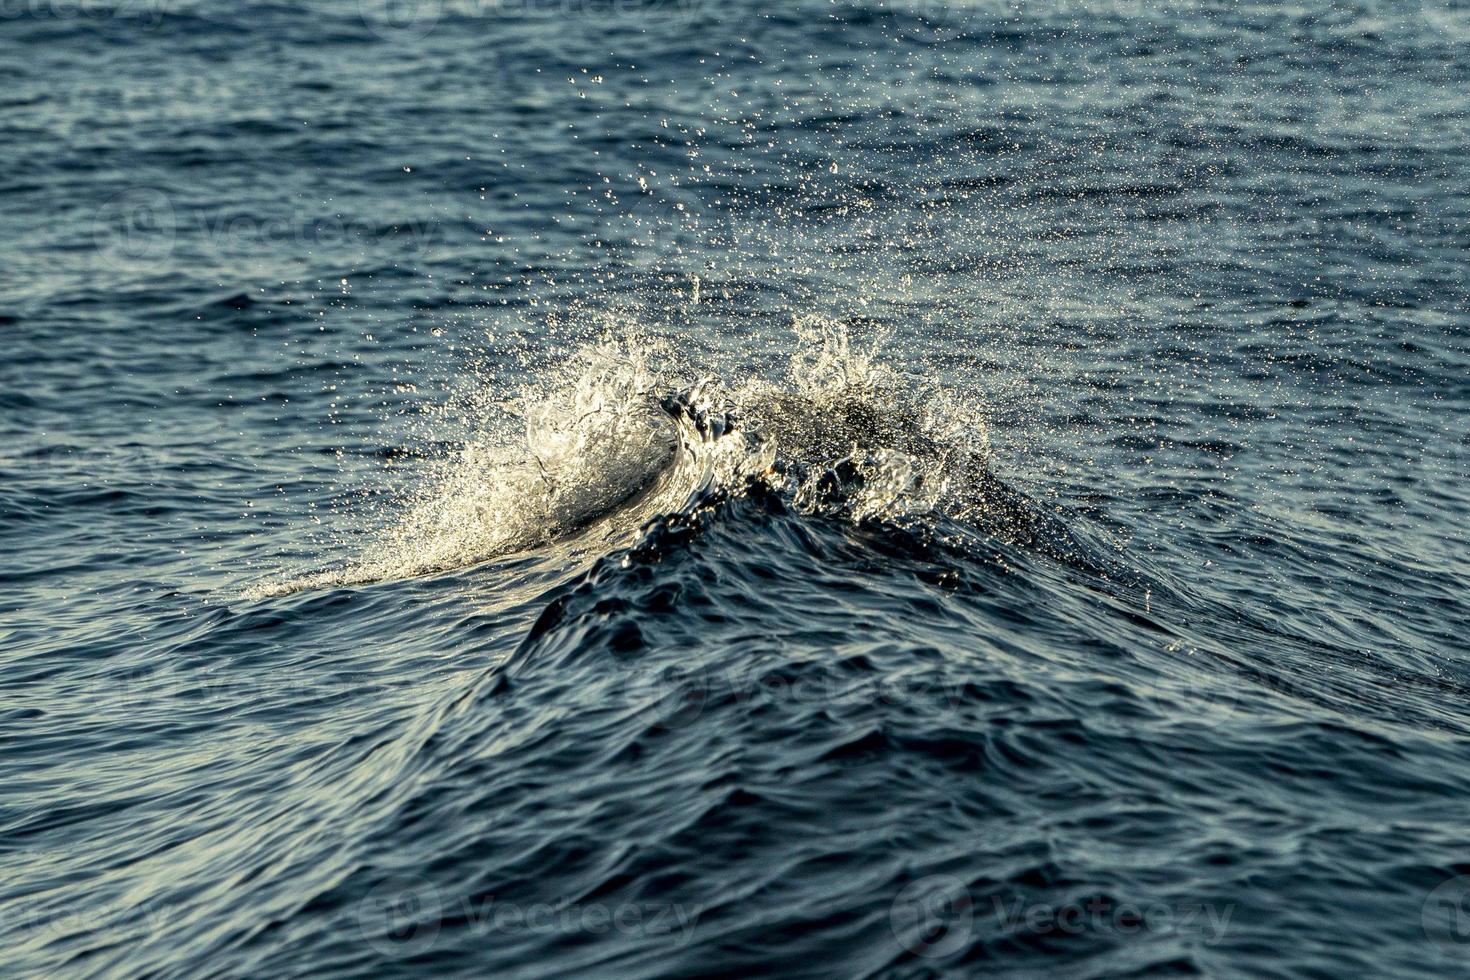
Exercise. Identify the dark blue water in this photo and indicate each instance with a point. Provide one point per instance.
(694, 489)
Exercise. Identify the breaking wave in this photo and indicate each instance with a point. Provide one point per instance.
(624, 432)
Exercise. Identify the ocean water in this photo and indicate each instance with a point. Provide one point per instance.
(665, 489)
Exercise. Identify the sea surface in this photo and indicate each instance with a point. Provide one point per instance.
(618, 489)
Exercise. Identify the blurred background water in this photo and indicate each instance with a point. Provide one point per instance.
(292, 291)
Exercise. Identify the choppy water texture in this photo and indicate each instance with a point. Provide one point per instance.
(692, 489)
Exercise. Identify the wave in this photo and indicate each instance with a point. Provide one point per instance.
(620, 435)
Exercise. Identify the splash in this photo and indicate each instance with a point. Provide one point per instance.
(621, 434)
(861, 439)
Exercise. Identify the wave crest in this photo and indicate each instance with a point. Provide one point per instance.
(613, 440)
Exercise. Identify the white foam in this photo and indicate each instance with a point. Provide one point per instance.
(596, 454)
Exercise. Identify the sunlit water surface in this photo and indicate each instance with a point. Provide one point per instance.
(708, 489)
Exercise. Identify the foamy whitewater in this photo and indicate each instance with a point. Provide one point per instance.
(618, 436)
